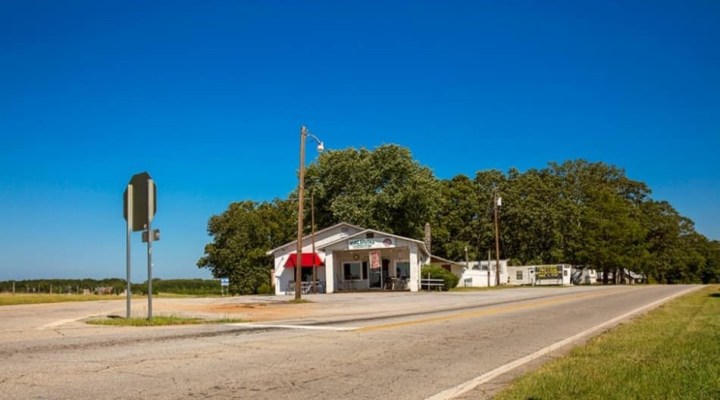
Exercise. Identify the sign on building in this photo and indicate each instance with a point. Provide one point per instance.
(548, 272)
(371, 243)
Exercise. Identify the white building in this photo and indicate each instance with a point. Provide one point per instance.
(537, 275)
(474, 274)
(348, 257)
(584, 276)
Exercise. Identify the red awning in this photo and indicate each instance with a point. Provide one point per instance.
(308, 260)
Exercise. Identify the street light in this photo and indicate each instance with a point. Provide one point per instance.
(304, 133)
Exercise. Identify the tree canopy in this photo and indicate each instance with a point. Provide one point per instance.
(577, 212)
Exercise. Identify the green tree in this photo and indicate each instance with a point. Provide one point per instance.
(662, 240)
(385, 189)
(531, 217)
(461, 222)
(242, 235)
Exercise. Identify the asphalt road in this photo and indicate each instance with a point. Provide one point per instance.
(342, 346)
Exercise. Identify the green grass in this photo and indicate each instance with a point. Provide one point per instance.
(670, 353)
(295, 301)
(161, 320)
(7, 299)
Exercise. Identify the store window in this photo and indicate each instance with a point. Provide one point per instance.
(352, 271)
(518, 275)
(402, 269)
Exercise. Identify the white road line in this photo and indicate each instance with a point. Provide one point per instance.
(306, 327)
(57, 323)
(473, 383)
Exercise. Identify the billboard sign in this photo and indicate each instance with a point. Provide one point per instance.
(548, 272)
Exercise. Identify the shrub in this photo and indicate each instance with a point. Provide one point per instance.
(438, 272)
(264, 289)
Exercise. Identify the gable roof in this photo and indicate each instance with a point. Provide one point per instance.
(419, 242)
(446, 261)
(309, 237)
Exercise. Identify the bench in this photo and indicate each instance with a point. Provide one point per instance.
(432, 283)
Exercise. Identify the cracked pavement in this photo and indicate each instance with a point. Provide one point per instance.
(409, 345)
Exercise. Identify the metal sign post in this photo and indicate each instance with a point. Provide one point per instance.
(151, 202)
(224, 283)
(140, 205)
(129, 210)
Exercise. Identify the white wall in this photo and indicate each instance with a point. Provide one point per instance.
(414, 282)
(527, 278)
(530, 276)
(478, 273)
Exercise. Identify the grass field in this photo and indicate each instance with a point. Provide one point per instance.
(672, 352)
(8, 299)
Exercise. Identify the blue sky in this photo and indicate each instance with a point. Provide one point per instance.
(209, 96)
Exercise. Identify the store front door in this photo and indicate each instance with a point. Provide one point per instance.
(379, 276)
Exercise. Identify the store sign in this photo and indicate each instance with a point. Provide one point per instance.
(371, 243)
(548, 272)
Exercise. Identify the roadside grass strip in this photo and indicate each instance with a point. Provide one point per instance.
(159, 321)
(673, 352)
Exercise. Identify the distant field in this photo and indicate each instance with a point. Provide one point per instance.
(670, 353)
(9, 299)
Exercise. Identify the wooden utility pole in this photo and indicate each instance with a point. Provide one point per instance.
(301, 193)
(496, 204)
(312, 222)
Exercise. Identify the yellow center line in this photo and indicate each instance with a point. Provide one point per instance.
(487, 311)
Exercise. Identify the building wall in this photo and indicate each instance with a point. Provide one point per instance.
(530, 275)
(476, 275)
(476, 278)
(283, 276)
(335, 255)
(521, 275)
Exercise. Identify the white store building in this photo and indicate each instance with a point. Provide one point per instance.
(350, 258)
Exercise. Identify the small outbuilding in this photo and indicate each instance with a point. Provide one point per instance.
(538, 275)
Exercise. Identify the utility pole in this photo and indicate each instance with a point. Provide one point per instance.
(312, 223)
(301, 192)
(497, 201)
(467, 262)
(488, 266)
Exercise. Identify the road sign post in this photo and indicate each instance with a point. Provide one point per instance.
(140, 205)
(129, 218)
(224, 283)
(150, 206)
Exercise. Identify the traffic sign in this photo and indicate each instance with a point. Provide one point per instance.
(155, 235)
(143, 201)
